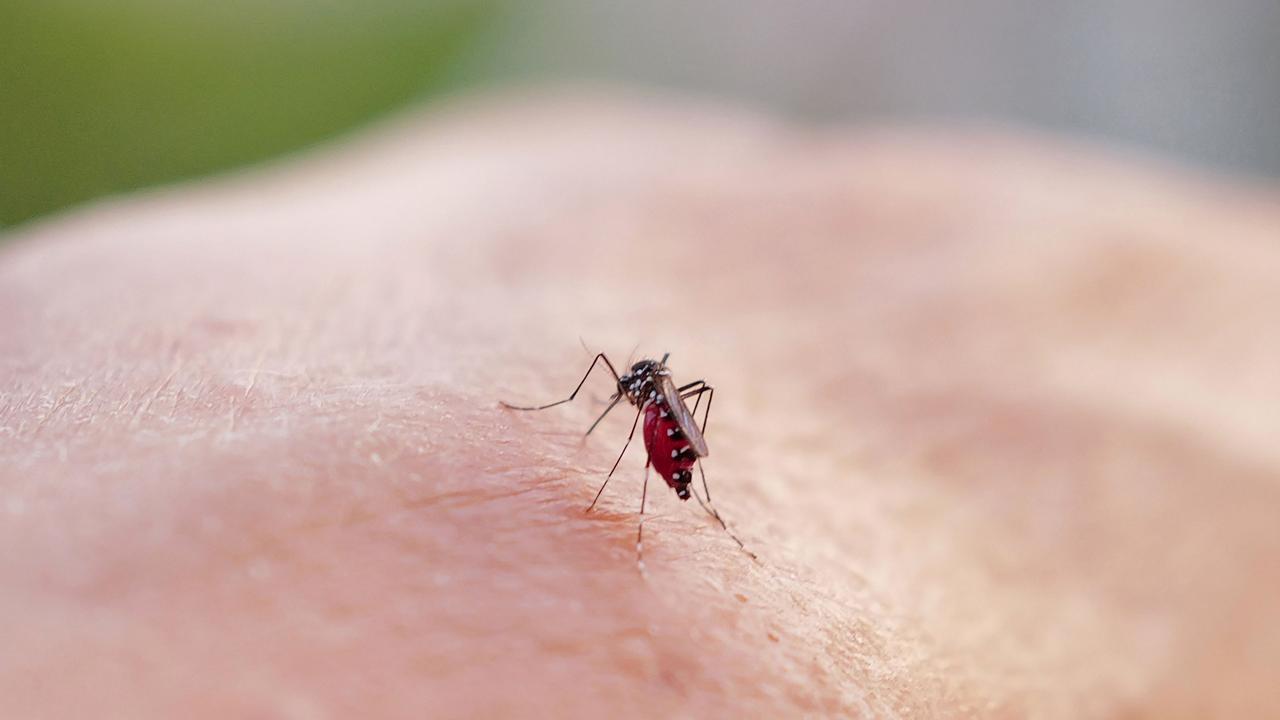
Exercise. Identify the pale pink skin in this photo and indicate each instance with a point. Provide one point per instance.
(998, 415)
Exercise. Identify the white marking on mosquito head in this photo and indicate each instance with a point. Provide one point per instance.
(675, 453)
(670, 432)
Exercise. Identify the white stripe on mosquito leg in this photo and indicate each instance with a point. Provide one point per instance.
(644, 572)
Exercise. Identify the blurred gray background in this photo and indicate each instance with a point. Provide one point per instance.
(1199, 80)
(98, 98)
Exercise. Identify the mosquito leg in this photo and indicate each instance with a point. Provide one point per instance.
(634, 423)
(695, 390)
(711, 393)
(640, 528)
(693, 386)
(706, 414)
(713, 513)
(574, 394)
(703, 473)
(616, 399)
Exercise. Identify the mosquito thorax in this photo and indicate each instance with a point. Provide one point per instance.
(638, 385)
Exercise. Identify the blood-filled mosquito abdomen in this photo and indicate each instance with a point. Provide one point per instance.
(668, 449)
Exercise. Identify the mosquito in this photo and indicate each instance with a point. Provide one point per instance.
(673, 440)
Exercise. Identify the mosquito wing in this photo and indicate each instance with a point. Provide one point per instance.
(683, 417)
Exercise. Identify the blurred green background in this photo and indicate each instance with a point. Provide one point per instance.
(99, 97)
(102, 96)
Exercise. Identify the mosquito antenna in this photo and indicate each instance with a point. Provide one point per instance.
(664, 358)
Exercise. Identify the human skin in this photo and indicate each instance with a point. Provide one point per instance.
(998, 414)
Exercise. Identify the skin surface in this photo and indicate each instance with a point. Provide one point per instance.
(998, 414)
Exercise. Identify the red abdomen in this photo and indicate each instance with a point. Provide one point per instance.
(669, 450)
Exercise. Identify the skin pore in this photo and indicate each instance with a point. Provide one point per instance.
(997, 415)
